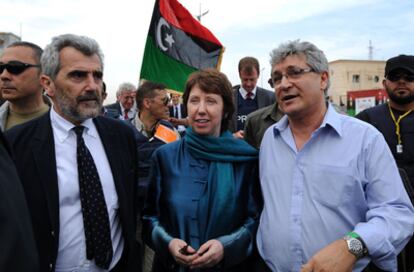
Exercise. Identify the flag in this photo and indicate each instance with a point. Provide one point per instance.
(177, 45)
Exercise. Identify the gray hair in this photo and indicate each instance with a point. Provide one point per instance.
(125, 87)
(315, 57)
(50, 58)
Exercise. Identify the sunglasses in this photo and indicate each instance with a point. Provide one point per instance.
(16, 67)
(398, 76)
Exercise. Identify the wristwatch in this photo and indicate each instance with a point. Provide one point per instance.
(355, 245)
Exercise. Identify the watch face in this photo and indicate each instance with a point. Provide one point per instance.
(355, 246)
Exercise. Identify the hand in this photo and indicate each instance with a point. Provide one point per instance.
(335, 257)
(182, 258)
(209, 254)
(238, 134)
(178, 122)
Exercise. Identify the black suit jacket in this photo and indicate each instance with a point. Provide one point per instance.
(17, 243)
(34, 150)
(264, 98)
(183, 111)
(115, 107)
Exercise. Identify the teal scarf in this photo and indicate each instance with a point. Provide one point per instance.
(221, 152)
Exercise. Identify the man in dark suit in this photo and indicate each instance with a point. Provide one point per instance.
(17, 247)
(248, 97)
(78, 169)
(125, 105)
(178, 113)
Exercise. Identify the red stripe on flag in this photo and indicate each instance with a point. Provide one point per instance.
(177, 15)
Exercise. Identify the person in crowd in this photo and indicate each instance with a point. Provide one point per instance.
(204, 198)
(125, 101)
(395, 120)
(259, 121)
(178, 113)
(111, 113)
(20, 84)
(17, 247)
(78, 169)
(248, 97)
(152, 131)
(333, 197)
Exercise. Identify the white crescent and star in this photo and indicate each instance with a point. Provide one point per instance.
(168, 37)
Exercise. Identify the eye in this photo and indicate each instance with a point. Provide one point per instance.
(78, 75)
(98, 75)
(277, 77)
(294, 71)
(211, 101)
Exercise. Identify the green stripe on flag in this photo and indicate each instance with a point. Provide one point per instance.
(158, 67)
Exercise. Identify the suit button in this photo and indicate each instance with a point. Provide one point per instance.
(50, 266)
(52, 233)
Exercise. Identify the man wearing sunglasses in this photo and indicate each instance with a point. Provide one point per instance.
(333, 197)
(20, 84)
(395, 120)
(152, 131)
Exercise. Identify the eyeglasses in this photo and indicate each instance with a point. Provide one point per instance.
(15, 67)
(292, 73)
(398, 76)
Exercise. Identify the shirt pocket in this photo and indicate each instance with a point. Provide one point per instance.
(332, 186)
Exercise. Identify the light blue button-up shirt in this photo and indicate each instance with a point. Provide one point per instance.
(343, 179)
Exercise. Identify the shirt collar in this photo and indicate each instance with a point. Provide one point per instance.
(243, 92)
(332, 120)
(63, 127)
(139, 125)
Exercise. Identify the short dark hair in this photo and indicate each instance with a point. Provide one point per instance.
(148, 89)
(37, 51)
(212, 81)
(248, 64)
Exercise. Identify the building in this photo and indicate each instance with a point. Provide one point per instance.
(354, 75)
(7, 38)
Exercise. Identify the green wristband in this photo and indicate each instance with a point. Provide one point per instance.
(353, 234)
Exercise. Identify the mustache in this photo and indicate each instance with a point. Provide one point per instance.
(87, 97)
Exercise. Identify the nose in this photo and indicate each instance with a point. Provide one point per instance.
(284, 83)
(5, 75)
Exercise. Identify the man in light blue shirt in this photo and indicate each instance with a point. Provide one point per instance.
(334, 200)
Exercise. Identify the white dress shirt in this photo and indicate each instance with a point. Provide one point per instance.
(243, 92)
(72, 247)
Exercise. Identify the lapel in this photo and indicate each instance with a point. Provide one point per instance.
(113, 147)
(43, 152)
(261, 99)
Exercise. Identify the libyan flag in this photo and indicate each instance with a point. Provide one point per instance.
(177, 45)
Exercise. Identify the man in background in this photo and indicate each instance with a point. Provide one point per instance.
(20, 85)
(124, 105)
(178, 113)
(248, 97)
(395, 120)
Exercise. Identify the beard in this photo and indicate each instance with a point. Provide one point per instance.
(80, 108)
(402, 100)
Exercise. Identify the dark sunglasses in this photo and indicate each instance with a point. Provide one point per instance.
(398, 76)
(16, 67)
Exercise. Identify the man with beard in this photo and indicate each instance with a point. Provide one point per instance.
(78, 169)
(395, 120)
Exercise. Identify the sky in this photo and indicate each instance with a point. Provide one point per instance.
(342, 29)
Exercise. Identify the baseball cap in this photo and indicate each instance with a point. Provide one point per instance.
(405, 62)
